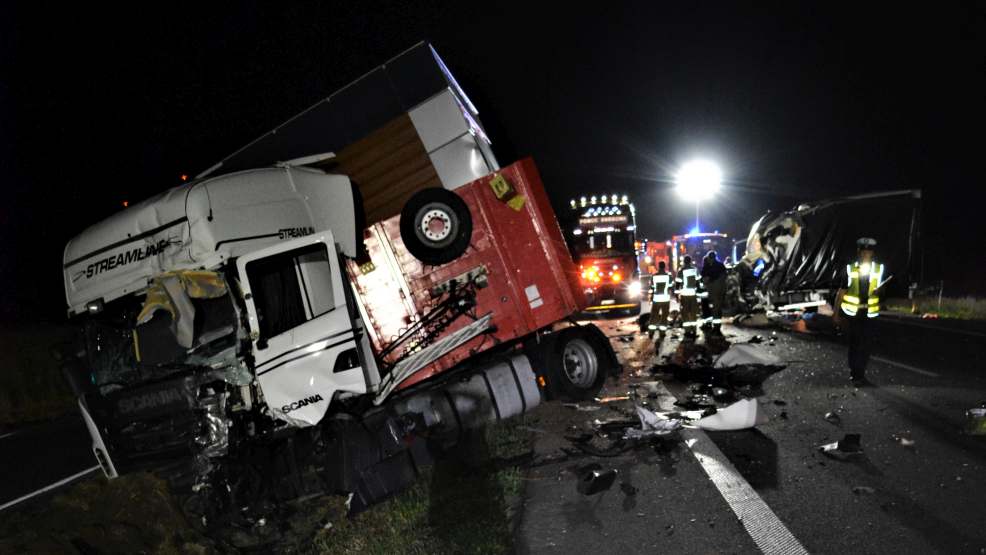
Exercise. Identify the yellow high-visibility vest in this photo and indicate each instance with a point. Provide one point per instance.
(661, 284)
(851, 300)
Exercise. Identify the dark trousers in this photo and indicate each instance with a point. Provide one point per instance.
(859, 346)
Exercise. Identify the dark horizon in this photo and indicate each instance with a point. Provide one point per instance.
(795, 103)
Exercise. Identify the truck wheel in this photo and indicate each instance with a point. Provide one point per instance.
(436, 226)
(578, 362)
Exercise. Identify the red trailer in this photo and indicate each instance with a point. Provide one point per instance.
(516, 244)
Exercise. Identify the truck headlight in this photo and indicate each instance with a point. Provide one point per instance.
(634, 289)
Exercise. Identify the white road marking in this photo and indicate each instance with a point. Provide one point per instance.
(945, 329)
(906, 367)
(48, 488)
(760, 522)
(8, 434)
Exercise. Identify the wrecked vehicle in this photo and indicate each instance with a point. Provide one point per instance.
(247, 336)
(793, 259)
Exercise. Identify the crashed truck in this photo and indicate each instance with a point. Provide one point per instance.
(328, 323)
(793, 260)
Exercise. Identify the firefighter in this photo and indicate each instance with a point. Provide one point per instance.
(661, 286)
(688, 286)
(859, 301)
(714, 281)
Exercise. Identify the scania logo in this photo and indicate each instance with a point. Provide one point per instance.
(301, 403)
(149, 400)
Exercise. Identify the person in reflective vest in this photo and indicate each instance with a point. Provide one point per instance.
(688, 285)
(714, 280)
(859, 301)
(661, 286)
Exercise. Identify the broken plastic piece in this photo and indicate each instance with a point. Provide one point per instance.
(976, 421)
(843, 449)
(904, 441)
(595, 481)
(612, 399)
(740, 415)
(833, 418)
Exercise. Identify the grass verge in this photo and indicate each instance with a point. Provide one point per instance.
(464, 504)
(31, 384)
(961, 308)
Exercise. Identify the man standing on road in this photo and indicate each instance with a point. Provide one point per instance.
(661, 301)
(714, 279)
(687, 284)
(860, 301)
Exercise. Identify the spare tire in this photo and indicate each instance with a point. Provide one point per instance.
(436, 226)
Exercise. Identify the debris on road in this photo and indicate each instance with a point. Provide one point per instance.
(833, 418)
(843, 449)
(740, 415)
(741, 354)
(858, 490)
(780, 403)
(612, 399)
(976, 421)
(651, 425)
(904, 441)
(782, 415)
(628, 489)
(722, 395)
(581, 408)
(593, 479)
(756, 339)
(756, 320)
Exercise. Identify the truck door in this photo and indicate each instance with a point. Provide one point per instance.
(304, 343)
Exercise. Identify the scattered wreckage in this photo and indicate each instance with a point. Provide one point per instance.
(273, 331)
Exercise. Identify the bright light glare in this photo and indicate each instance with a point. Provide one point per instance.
(634, 289)
(698, 180)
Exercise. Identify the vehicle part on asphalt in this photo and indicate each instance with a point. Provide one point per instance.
(843, 449)
(833, 418)
(976, 421)
(651, 425)
(596, 480)
(740, 415)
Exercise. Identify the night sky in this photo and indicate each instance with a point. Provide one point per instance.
(795, 103)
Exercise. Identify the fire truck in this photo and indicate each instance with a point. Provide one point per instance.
(603, 245)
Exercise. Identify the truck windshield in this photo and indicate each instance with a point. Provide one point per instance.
(602, 242)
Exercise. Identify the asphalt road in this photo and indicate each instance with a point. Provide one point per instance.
(897, 497)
